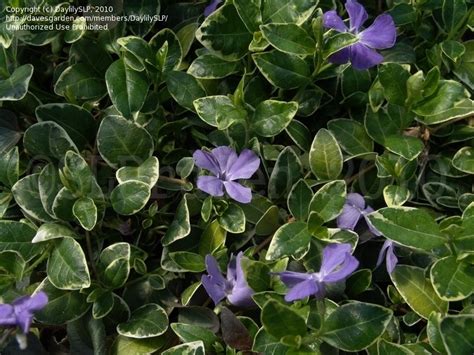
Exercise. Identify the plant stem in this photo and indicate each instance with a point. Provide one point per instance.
(90, 253)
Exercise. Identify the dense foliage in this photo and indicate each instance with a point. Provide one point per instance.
(336, 214)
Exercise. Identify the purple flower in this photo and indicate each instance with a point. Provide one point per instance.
(354, 209)
(337, 264)
(381, 34)
(234, 287)
(20, 312)
(211, 7)
(390, 257)
(226, 167)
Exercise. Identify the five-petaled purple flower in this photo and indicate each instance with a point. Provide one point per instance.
(21, 311)
(226, 167)
(388, 251)
(381, 34)
(211, 7)
(234, 287)
(336, 265)
(354, 209)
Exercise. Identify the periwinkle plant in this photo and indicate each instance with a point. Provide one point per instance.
(230, 177)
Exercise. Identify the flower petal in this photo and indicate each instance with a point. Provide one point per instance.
(332, 20)
(215, 291)
(225, 157)
(391, 259)
(24, 320)
(341, 57)
(381, 34)
(238, 192)
(349, 217)
(357, 15)
(245, 166)
(206, 160)
(362, 57)
(7, 315)
(213, 270)
(356, 200)
(210, 184)
(211, 7)
(291, 278)
(241, 296)
(382, 252)
(349, 265)
(333, 256)
(38, 301)
(302, 290)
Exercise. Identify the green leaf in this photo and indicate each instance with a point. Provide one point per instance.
(257, 274)
(48, 231)
(463, 160)
(114, 265)
(9, 167)
(289, 38)
(27, 196)
(103, 305)
(212, 238)
(351, 136)
(300, 134)
(249, 12)
(67, 266)
(407, 147)
(434, 333)
(147, 321)
(184, 88)
(48, 139)
(12, 266)
(445, 98)
(280, 320)
(80, 81)
(283, 70)
(337, 42)
(285, 174)
(219, 111)
(189, 262)
(393, 78)
(148, 172)
(417, 291)
(78, 178)
(329, 200)
(49, 185)
(410, 227)
(281, 11)
(453, 12)
(16, 86)
(181, 225)
(458, 334)
(233, 219)
(464, 70)
(266, 344)
(63, 306)
(127, 88)
(194, 348)
(120, 142)
(137, 52)
(291, 239)
(224, 34)
(355, 326)
(130, 197)
(271, 117)
(325, 156)
(395, 196)
(461, 109)
(208, 66)
(126, 346)
(9, 131)
(17, 236)
(452, 280)
(298, 200)
(85, 212)
(166, 38)
(78, 123)
(191, 333)
(5, 199)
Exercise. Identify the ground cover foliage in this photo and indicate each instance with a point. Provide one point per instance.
(338, 204)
